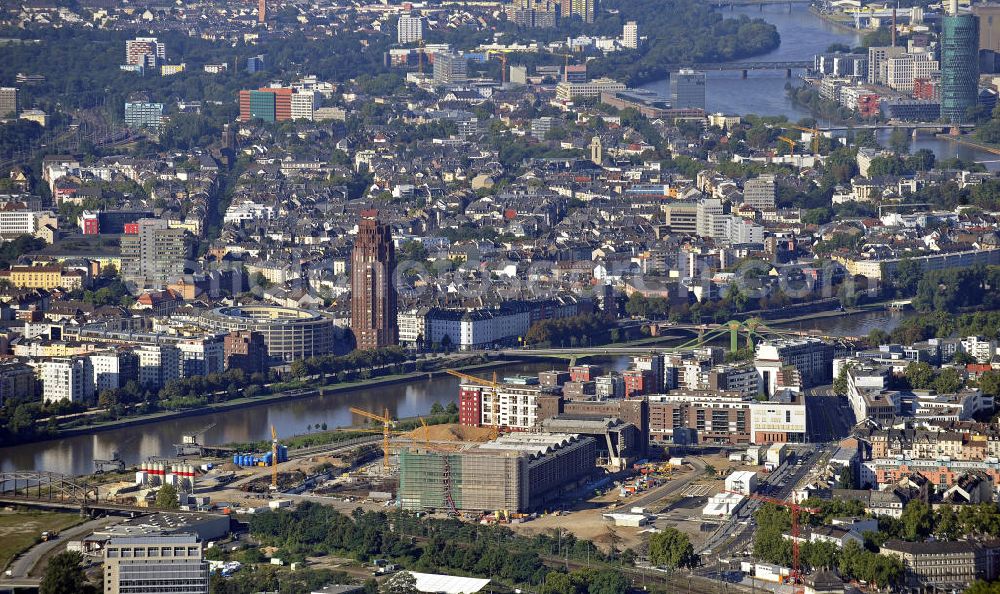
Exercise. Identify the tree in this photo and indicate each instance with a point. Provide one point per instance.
(840, 384)
(166, 497)
(909, 273)
(400, 583)
(920, 375)
(899, 141)
(64, 575)
(557, 582)
(671, 548)
(948, 381)
(877, 337)
(917, 520)
(989, 383)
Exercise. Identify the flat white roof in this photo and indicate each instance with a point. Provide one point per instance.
(434, 583)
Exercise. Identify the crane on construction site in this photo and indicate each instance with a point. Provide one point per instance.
(274, 459)
(791, 143)
(814, 131)
(565, 65)
(795, 509)
(495, 416)
(387, 425)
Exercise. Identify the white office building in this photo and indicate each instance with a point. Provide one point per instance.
(158, 364)
(303, 105)
(409, 29)
(67, 379)
(166, 564)
(630, 35)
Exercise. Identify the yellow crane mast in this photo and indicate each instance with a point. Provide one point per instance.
(495, 431)
(274, 459)
(387, 424)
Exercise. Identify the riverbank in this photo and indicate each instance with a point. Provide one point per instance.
(239, 403)
(962, 140)
(840, 24)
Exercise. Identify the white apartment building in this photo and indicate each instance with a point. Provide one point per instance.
(201, 356)
(630, 35)
(303, 105)
(67, 379)
(740, 230)
(979, 347)
(409, 29)
(158, 364)
(517, 402)
(901, 71)
(711, 218)
(248, 210)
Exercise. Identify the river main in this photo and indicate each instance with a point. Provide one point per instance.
(75, 455)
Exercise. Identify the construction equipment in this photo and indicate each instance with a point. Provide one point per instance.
(387, 425)
(115, 464)
(426, 433)
(420, 57)
(791, 143)
(795, 577)
(190, 445)
(495, 420)
(274, 459)
(815, 135)
(565, 65)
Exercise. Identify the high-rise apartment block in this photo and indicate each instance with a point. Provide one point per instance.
(630, 35)
(539, 14)
(687, 89)
(409, 28)
(246, 350)
(450, 68)
(147, 52)
(373, 296)
(255, 64)
(877, 62)
(959, 65)
(303, 105)
(156, 254)
(167, 564)
(8, 101)
(759, 192)
(67, 379)
(142, 114)
(585, 9)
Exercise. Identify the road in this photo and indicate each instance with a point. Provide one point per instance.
(736, 533)
(23, 565)
(829, 416)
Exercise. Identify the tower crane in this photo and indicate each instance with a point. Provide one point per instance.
(815, 134)
(565, 65)
(387, 424)
(791, 143)
(795, 510)
(495, 431)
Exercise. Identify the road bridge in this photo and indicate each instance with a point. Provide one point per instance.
(744, 67)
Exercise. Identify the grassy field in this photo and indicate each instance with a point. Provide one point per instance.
(20, 530)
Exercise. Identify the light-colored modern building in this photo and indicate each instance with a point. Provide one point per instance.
(450, 68)
(8, 101)
(409, 28)
(290, 334)
(630, 35)
(165, 564)
(687, 89)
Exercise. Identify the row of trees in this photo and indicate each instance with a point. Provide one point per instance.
(582, 330)
(432, 545)
(356, 361)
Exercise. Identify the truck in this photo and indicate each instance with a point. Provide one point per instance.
(49, 535)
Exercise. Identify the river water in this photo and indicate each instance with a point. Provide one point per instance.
(75, 455)
(803, 35)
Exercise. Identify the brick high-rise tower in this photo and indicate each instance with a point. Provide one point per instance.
(373, 296)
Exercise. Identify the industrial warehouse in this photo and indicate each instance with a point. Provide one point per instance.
(516, 472)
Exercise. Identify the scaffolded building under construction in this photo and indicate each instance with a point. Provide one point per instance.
(516, 472)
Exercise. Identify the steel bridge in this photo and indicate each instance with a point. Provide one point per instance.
(46, 486)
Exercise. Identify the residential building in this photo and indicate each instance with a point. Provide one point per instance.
(255, 64)
(164, 563)
(303, 105)
(142, 114)
(877, 58)
(812, 357)
(711, 218)
(713, 417)
(8, 102)
(959, 65)
(687, 89)
(630, 35)
(147, 52)
(46, 277)
(156, 254)
(373, 296)
(942, 565)
(17, 380)
(158, 364)
(450, 68)
(585, 9)
(246, 350)
(114, 369)
(781, 419)
(759, 192)
(67, 379)
(409, 28)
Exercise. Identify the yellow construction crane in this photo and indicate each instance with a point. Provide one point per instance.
(274, 459)
(495, 431)
(420, 57)
(565, 65)
(791, 143)
(426, 433)
(813, 131)
(387, 424)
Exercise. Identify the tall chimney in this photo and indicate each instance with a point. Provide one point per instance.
(262, 11)
(893, 27)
